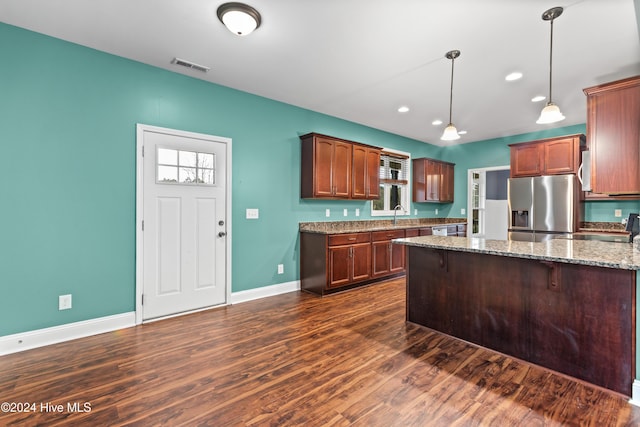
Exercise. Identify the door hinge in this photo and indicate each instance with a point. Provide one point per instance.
(142, 300)
(143, 225)
(143, 151)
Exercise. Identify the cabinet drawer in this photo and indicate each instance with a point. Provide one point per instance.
(426, 231)
(452, 230)
(348, 239)
(377, 236)
(462, 227)
(412, 232)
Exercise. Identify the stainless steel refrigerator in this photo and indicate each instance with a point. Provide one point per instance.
(541, 207)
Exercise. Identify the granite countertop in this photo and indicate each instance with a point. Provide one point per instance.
(339, 227)
(594, 253)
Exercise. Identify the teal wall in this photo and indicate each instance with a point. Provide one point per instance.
(68, 119)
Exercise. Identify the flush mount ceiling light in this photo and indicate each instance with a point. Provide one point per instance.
(450, 132)
(551, 113)
(516, 75)
(239, 18)
(403, 109)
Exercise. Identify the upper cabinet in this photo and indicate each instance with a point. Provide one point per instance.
(432, 180)
(613, 136)
(551, 156)
(333, 168)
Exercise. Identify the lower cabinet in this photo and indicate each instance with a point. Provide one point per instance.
(575, 319)
(340, 261)
(349, 258)
(387, 258)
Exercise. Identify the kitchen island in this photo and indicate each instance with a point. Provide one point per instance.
(566, 305)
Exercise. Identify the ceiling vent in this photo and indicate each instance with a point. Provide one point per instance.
(191, 65)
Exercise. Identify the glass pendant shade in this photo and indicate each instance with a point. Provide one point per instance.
(450, 133)
(239, 18)
(550, 114)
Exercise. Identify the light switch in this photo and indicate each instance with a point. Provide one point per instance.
(345, 212)
(327, 213)
(463, 211)
(618, 213)
(253, 213)
(357, 212)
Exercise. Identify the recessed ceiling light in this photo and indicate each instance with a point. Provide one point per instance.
(436, 122)
(403, 109)
(513, 76)
(462, 132)
(538, 98)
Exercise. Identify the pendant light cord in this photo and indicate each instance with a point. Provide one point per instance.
(550, 63)
(451, 92)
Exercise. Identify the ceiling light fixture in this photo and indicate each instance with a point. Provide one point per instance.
(403, 109)
(516, 75)
(450, 132)
(538, 98)
(436, 122)
(239, 18)
(551, 113)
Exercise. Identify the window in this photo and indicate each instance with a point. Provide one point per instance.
(394, 184)
(185, 167)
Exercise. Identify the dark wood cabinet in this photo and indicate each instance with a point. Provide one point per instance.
(551, 156)
(433, 180)
(387, 258)
(365, 173)
(349, 258)
(613, 136)
(333, 168)
(575, 319)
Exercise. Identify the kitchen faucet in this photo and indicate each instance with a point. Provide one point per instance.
(395, 211)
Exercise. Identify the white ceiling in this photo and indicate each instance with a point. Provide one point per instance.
(361, 59)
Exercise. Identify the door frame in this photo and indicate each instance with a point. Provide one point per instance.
(140, 129)
(470, 173)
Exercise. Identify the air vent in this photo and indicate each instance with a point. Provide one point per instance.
(191, 65)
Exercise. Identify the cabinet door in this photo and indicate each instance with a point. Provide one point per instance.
(341, 169)
(613, 136)
(433, 174)
(561, 156)
(365, 173)
(525, 160)
(381, 259)
(373, 174)
(323, 167)
(361, 261)
(446, 183)
(339, 266)
(397, 258)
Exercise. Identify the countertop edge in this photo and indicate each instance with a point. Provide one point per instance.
(631, 258)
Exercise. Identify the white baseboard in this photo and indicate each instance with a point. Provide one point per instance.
(56, 334)
(635, 393)
(267, 291)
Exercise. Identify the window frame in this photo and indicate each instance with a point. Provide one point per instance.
(406, 193)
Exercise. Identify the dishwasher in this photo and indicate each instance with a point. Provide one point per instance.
(439, 231)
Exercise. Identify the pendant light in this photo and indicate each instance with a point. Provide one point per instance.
(450, 132)
(551, 113)
(239, 18)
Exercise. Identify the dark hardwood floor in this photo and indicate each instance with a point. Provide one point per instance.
(295, 359)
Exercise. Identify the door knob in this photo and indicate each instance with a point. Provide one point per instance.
(222, 234)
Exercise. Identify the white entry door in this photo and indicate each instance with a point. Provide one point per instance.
(183, 223)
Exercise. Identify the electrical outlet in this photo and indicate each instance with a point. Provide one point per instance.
(64, 302)
(463, 211)
(280, 268)
(327, 213)
(436, 211)
(415, 211)
(357, 212)
(253, 213)
(618, 213)
(345, 212)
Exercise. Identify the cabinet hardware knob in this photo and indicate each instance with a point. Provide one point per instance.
(222, 234)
